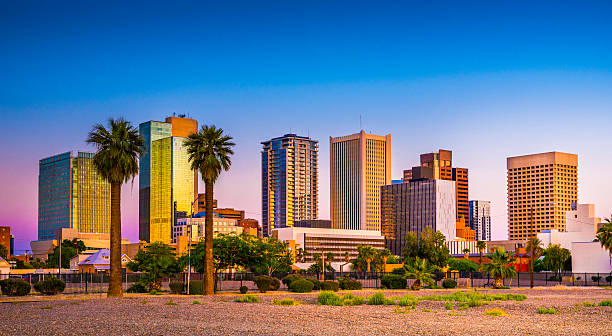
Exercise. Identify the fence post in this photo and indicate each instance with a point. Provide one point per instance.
(585, 279)
(598, 277)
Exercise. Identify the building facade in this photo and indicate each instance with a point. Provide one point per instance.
(196, 227)
(480, 219)
(441, 164)
(290, 181)
(323, 241)
(541, 189)
(359, 165)
(411, 207)
(5, 240)
(71, 194)
(167, 185)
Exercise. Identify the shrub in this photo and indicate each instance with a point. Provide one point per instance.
(438, 275)
(349, 284)
(606, 303)
(543, 310)
(291, 278)
(463, 265)
(177, 287)
(287, 302)
(316, 284)
(393, 281)
(448, 306)
(589, 304)
(171, 303)
(449, 283)
(328, 298)
(330, 285)
(196, 302)
(50, 286)
(595, 278)
(408, 300)
(302, 286)
(263, 283)
(495, 312)
(399, 271)
(196, 287)
(377, 299)
(155, 292)
(474, 303)
(609, 278)
(275, 285)
(15, 287)
(352, 300)
(248, 299)
(137, 288)
(244, 289)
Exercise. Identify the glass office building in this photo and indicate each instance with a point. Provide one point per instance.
(167, 185)
(290, 186)
(71, 194)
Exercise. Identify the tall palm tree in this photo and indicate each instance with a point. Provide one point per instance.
(209, 152)
(116, 160)
(367, 253)
(384, 255)
(421, 271)
(481, 246)
(604, 236)
(500, 267)
(329, 257)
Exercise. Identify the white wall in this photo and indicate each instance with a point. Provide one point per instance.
(590, 257)
(446, 209)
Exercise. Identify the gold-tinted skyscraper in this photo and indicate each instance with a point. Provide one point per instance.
(167, 184)
(359, 165)
(541, 188)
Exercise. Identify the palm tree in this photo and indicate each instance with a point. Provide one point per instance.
(347, 259)
(604, 236)
(384, 255)
(329, 257)
(481, 246)
(466, 253)
(367, 253)
(116, 160)
(534, 246)
(209, 152)
(500, 267)
(421, 271)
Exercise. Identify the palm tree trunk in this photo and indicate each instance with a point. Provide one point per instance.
(209, 283)
(499, 282)
(114, 285)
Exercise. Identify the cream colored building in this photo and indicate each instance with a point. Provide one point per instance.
(220, 225)
(541, 189)
(359, 165)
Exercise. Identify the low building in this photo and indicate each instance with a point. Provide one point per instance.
(457, 246)
(323, 241)
(100, 262)
(196, 227)
(93, 241)
(5, 267)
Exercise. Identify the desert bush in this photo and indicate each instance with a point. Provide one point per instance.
(330, 285)
(137, 288)
(609, 278)
(495, 312)
(302, 286)
(196, 287)
(543, 310)
(379, 299)
(263, 283)
(448, 306)
(15, 287)
(605, 303)
(177, 287)
(328, 298)
(393, 281)
(349, 284)
(244, 289)
(50, 286)
(408, 300)
(275, 285)
(449, 283)
(589, 304)
(595, 278)
(399, 271)
(291, 278)
(352, 300)
(248, 299)
(287, 302)
(316, 284)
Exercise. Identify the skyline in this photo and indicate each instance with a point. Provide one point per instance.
(488, 87)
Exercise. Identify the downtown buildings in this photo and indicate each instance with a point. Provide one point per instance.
(480, 219)
(360, 164)
(71, 194)
(167, 184)
(541, 189)
(290, 186)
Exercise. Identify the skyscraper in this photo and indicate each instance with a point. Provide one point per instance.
(167, 185)
(290, 181)
(541, 188)
(480, 219)
(360, 165)
(442, 165)
(413, 206)
(71, 194)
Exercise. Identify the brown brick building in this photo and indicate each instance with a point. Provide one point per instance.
(5, 239)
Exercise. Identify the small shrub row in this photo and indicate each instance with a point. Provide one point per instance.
(15, 287)
(265, 283)
(449, 283)
(495, 312)
(393, 281)
(287, 302)
(50, 286)
(543, 310)
(379, 299)
(177, 287)
(137, 288)
(328, 298)
(248, 299)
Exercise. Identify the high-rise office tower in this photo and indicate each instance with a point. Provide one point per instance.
(71, 194)
(414, 206)
(167, 185)
(541, 189)
(290, 181)
(480, 219)
(442, 165)
(360, 165)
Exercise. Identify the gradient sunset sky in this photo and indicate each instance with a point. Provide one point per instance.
(485, 79)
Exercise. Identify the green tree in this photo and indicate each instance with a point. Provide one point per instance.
(366, 255)
(411, 247)
(463, 265)
(383, 255)
(481, 246)
(421, 271)
(555, 257)
(433, 249)
(466, 253)
(299, 254)
(3, 252)
(347, 260)
(500, 267)
(116, 160)
(209, 152)
(271, 255)
(157, 261)
(70, 249)
(535, 250)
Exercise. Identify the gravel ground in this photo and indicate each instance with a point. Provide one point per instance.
(219, 315)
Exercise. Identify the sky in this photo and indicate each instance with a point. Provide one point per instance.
(485, 79)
